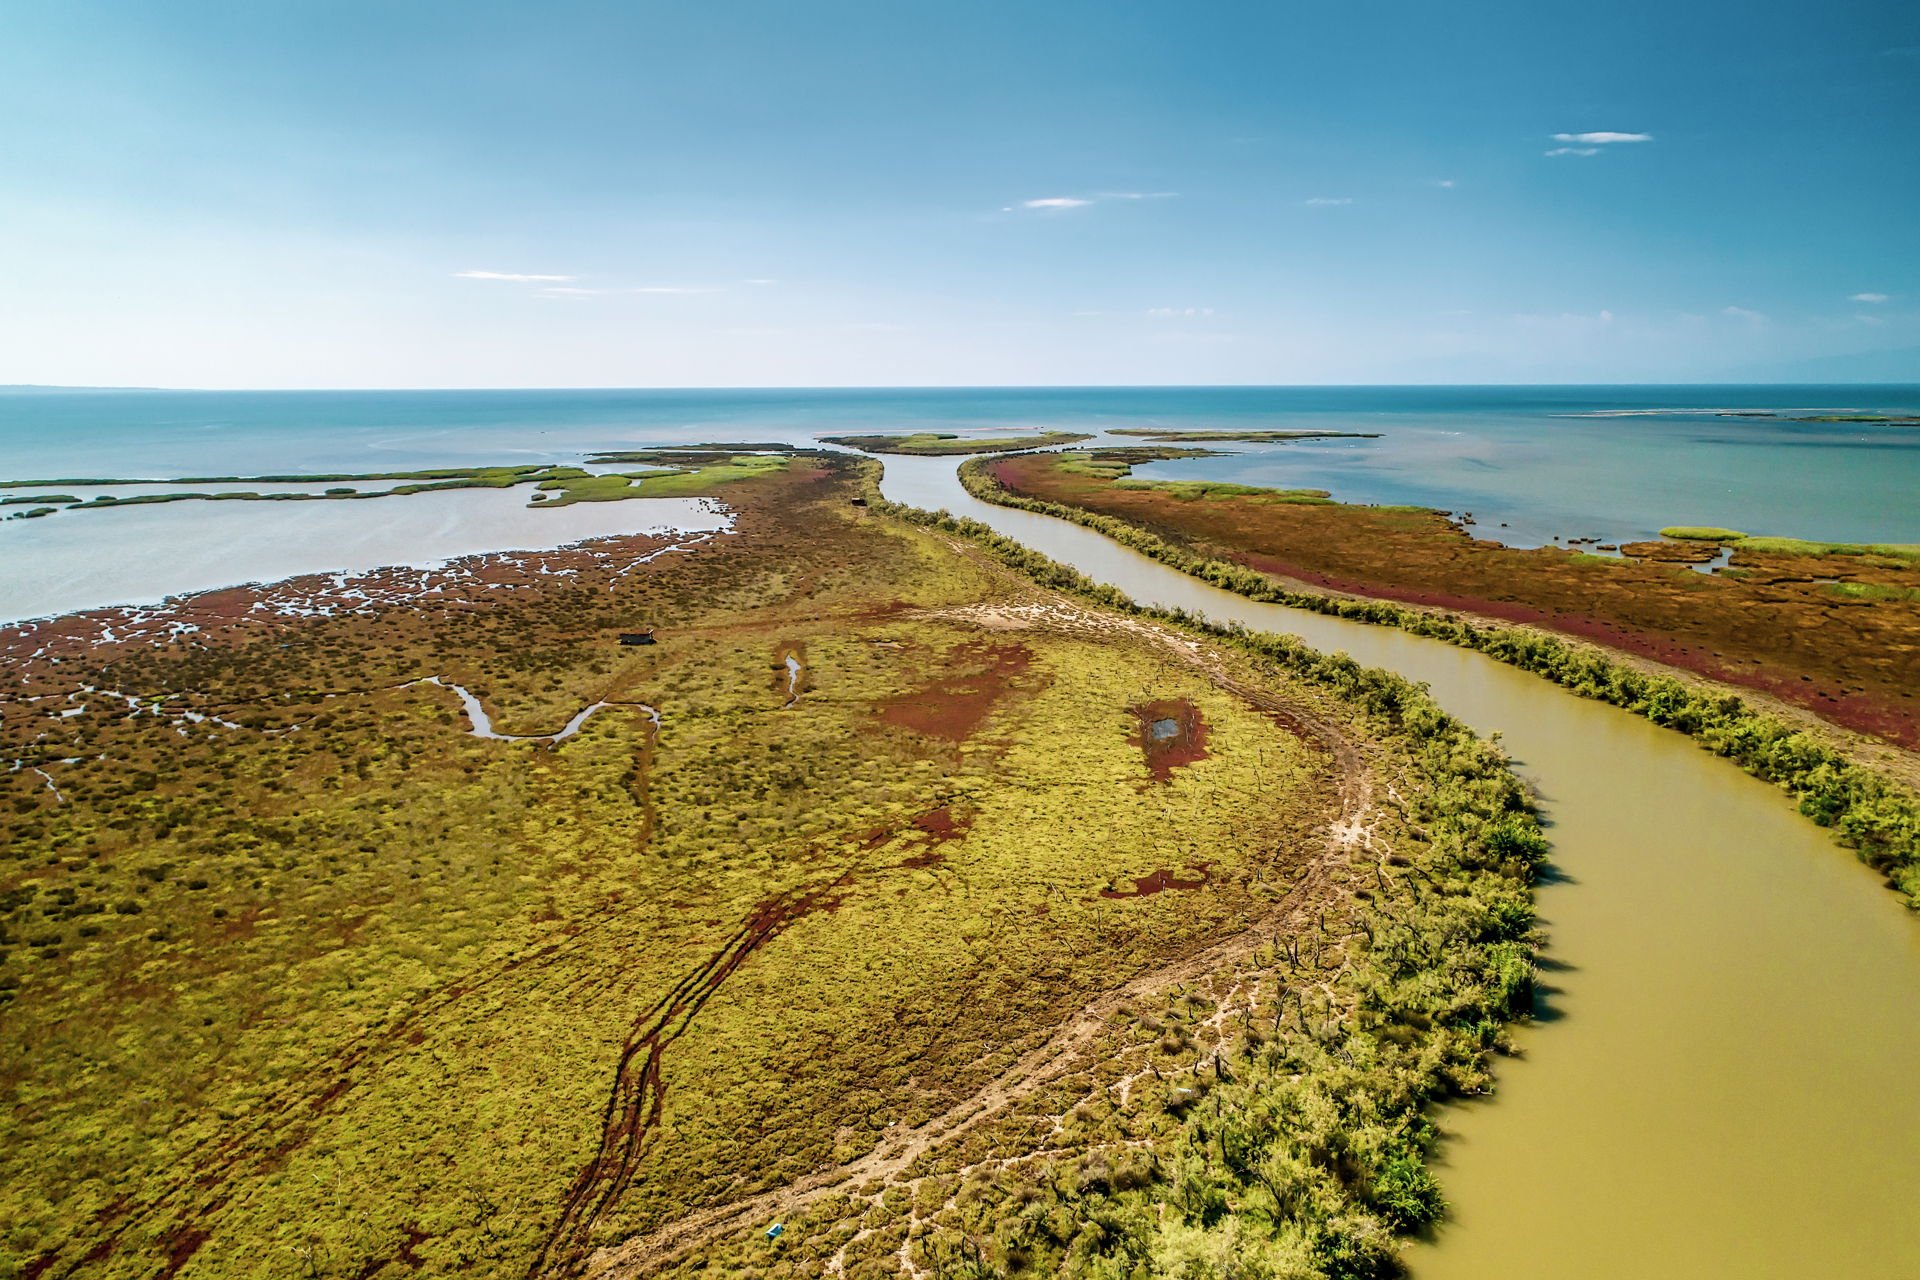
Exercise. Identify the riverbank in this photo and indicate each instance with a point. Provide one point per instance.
(1728, 1009)
(1834, 630)
(1879, 820)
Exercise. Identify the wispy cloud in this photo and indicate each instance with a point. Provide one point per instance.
(759, 280)
(1741, 313)
(1059, 204)
(1444, 183)
(1601, 139)
(517, 276)
(1591, 144)
(1868, 297)
(1329, 200)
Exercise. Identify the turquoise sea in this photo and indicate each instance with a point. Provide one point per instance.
(1607, 462)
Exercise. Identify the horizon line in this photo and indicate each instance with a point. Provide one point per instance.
(58, 387)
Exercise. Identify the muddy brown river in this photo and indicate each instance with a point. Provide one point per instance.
(1723, 1079)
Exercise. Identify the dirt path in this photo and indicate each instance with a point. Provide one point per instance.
(1347, 837)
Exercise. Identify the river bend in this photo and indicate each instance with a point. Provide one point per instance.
(1720, 1081)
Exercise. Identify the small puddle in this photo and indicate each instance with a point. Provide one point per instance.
(480, 724)
(793, 681)
(1721, 559)
(1170, 733)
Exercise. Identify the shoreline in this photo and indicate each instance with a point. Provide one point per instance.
(187, 557)
(333, 591)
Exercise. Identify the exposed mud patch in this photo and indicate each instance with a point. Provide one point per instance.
(1673, 552)
(1162, 880)
(954, 707)
(933, 829)
(1170, 733)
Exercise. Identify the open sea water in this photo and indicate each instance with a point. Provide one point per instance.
(1609, 462)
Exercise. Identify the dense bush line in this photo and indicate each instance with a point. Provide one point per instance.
(1866, 812)
(1300, 1147)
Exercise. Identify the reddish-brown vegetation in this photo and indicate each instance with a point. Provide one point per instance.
(1160, 881)
(1837, 635)
(955, 706)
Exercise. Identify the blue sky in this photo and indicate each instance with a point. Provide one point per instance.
(895, 192)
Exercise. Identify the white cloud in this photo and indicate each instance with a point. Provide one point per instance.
(1590, 144)
(1868, 297)
(1056, 204)
(1330, 200)
(759, 280)
(1179, 313)
(1741, 313)
(510, 275)
(1446, 183)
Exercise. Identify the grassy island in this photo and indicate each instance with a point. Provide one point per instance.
(941, 444)
(1862, 419)
(1799, 547)
(680, 471)
(1248, 437)
(794, 915)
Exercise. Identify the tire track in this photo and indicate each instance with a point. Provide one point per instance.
(634, 1102)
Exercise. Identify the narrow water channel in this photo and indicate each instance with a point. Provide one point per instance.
(1722, 1078)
